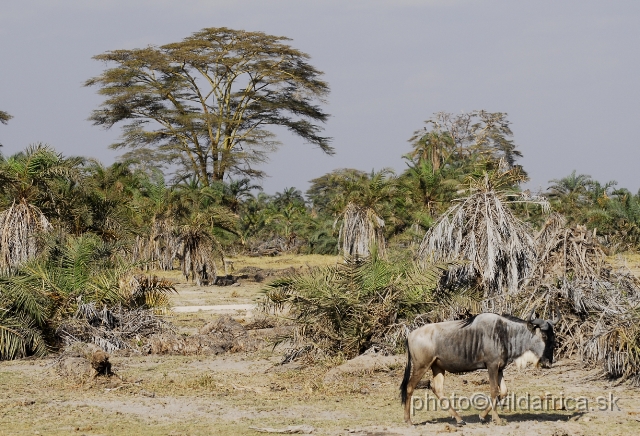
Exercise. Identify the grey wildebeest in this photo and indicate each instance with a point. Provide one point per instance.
(487, 340)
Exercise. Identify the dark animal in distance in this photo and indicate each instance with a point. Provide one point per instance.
(487, 340)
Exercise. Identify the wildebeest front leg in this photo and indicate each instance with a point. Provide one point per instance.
(503, 386)
(494, 383)
(437, 386)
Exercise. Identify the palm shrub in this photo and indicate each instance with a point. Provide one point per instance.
(354, 305)
(19, 335)
(48, 289)
(22, 316)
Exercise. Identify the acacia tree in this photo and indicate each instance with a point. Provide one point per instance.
(4, 117)
(206, 103)
(465, 138)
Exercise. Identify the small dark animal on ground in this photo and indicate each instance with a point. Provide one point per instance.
(100, 363)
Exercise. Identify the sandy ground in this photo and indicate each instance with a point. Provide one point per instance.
(240, 392)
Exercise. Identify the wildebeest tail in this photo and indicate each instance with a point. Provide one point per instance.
(407, 374)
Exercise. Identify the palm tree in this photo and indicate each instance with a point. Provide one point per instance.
(289, 196)
(434, 147)
(29, 189)
(570, 192)
(105, 202)
(365, 205)
(237, 191)
(431, 190)
(288, 220)
(324, 189)
(190, 224)
(480, 229)
(4, 118)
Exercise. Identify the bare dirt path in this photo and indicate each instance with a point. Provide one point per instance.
(222, 309)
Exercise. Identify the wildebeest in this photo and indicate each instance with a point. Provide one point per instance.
(487, 340)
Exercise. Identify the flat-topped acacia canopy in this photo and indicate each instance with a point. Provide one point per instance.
(205, 103)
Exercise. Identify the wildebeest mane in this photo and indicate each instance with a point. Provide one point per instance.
(468, 321)
(513, 318)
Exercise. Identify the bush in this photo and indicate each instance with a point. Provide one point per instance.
(353, 306)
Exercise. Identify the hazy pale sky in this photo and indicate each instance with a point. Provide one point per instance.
(566, 72)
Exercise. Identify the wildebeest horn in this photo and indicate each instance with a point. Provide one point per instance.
(556, 317)
(530, 317)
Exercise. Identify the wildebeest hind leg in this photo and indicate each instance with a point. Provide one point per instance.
(416, 376)
(437, 386)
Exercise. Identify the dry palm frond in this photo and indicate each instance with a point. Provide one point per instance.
(615, 345)
(562, 267)
(481, 230)
(19, 227)
(111, 329)
(596, 301)
(158, 249)
(197, 251)
(360, 232)
(599, 305)
(568, 252)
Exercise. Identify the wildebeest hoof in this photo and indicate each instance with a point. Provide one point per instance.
(460, 424)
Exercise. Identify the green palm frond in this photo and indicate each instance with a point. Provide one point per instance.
(19, 337)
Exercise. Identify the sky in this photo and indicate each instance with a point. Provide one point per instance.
(567, 73)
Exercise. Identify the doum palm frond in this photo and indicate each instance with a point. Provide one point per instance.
(498, 250)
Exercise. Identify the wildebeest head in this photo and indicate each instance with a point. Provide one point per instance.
(544, 330)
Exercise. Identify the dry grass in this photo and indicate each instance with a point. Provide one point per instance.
(630, 261)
